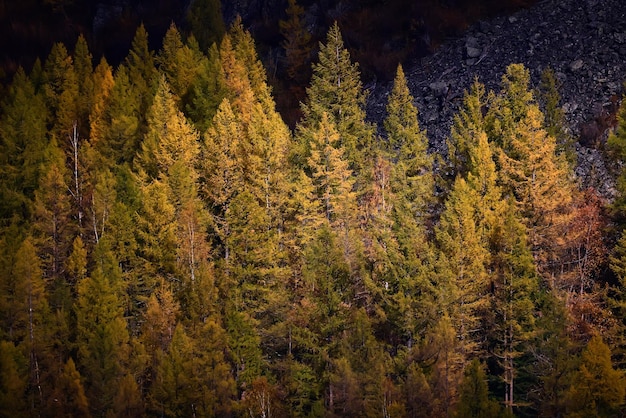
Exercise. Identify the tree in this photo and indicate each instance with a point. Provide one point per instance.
(540, 185)
(554, 115)
(515, 285)
(597, 388)
(13, 380)
(336, 90)
(68, 398)
(174, 391)
(169, 141)
(207, 90)
(83, 68)
(103, 341)
(464, 281)
(207, 25)
(617, 144)
(408, 144)
(474, 395)
(467, 125)
(331, 176)
(297, 43)
(178, 63)
(29, 320)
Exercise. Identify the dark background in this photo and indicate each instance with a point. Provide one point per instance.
(379, 33)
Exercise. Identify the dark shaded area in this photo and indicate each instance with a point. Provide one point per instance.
(29, 28)
(379, 33)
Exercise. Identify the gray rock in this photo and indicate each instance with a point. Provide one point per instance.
(439, 88)
(472, 52)
(576, 65)
(590, 68)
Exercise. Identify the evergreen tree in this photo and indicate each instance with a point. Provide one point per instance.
(474, 395)
(207, 24)
(178, 63)
(336, 90)
(207, 90)
(554, 115)
(102, 337)
(23, 145)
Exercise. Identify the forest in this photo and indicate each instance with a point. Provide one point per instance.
(170, 247)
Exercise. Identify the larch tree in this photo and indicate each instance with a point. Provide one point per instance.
(467, 124)
(178, 62)
(597, 387)
(102, 337)
(410, 188)
(463, 279)
(531, 170)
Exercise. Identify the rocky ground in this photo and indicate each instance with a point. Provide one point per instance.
(584, 41)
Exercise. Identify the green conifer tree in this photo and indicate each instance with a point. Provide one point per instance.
(336, 90)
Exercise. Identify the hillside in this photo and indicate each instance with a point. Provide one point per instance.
(171, 247)
(583, 42)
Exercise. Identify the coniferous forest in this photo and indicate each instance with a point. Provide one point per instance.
(170, 247)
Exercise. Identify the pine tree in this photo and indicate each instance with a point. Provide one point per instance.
(555, 117)
(178, 63)
(336, 90)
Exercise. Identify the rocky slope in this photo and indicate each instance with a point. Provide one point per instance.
(584, 41)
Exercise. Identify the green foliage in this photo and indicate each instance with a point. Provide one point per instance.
(474, 394)
(597, 388)
(336, 90)
(207, 25)
(222, 265)
(555, 117)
